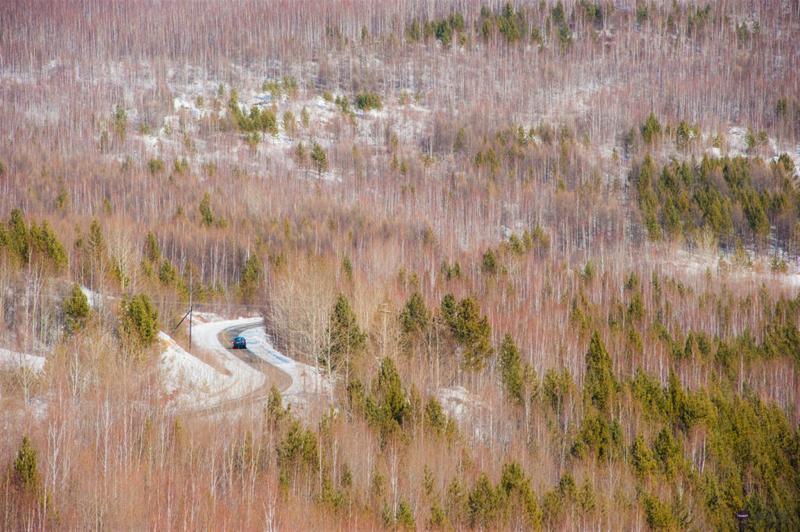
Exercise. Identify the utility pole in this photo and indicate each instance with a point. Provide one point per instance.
(189, 312)
(191, 307)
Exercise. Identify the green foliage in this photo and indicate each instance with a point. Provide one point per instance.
(512, 24)
(250, 279)
(437, 420)
(155, 166)
(667, 452)
(518, 499)
(76, 310)
(405, 517)
(659, 516)
(558, 386)
(36, 244)
(599, 385)
(207, 217)
(483, 503)
(414, 320)
(26, 471)
(152, 251)
(297, 451)
(443, 30)
(512, 372)
(319, 158)
(167, 273)
(388, 406)
(469, 329)
(138, 321)
(651, 129)
(600, 436)
(367, 101)
(346, 340)
(489, 263)
(684, 134)
(688, 200)
(120, 122)
(644, 463)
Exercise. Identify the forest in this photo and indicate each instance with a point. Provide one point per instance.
(526, 265)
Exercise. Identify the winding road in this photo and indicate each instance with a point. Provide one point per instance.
(255, 370)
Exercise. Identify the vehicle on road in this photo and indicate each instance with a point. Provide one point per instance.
(239, 343)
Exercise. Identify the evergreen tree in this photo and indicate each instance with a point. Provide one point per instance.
(346, 339)
(138, 321)
(18, 236)
(319, 158)
(206, 215)
(388, 406)
(642, 457)
(76, 309)
(470, 330)
(152, 251)
(512, 372)
(651, 129)
(251, 276)
(483, 503)
(599, 384)
(414, 320)
(26, 472)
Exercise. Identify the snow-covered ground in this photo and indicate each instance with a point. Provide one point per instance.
(14, 360)
(468, 410)
(189, 381)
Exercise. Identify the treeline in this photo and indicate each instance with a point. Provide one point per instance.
(734, 199)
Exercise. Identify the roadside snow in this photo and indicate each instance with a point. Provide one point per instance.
(189, 380)
(306, 380)
(14, 360)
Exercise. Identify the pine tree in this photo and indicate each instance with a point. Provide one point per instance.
(512, 373)
(250, 280)
(138, 321)
(599, 384)
(347, 340)
(405, 517)
(206, 215)
(414, 320)
(18, 236)
(651, 129)
(388, 406)
(483, 503)
(319, 158)
(76, 310)
(26, 473)
(152, 251)
(642, 457)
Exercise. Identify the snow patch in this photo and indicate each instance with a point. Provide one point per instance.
(189, 380)
(469, 411)
(14, 360)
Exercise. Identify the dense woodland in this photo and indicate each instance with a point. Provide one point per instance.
(417, 197)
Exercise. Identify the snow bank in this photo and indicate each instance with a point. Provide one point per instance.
(14, 360)
(189, 380)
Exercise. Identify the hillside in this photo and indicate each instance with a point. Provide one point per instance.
(515, 266)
